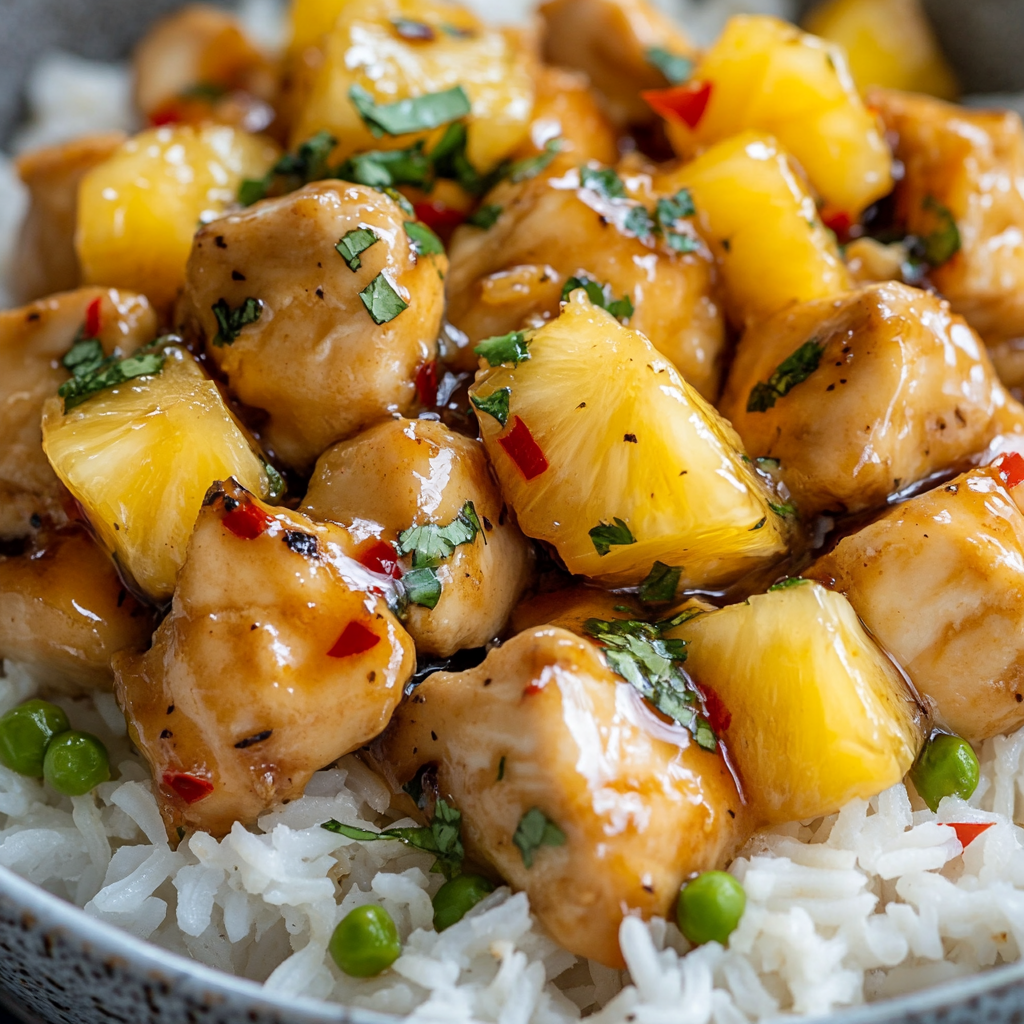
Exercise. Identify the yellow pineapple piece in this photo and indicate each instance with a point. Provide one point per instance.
(811, 711)
(140, 456)
(762, 224)
(767, 75)
(606, 453)
(311, 20)
(138, 210)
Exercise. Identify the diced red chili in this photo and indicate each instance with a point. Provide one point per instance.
(1011, 469)
(190, 788)
(355, 639)
(719, 716)
(92, 319)
(523, 450)
(968, 831)
(686, 102)
(838, 221)
(382, 558)
(426, 383)
(534, 687)
(169, 113)
(247, 521)
(438, 217)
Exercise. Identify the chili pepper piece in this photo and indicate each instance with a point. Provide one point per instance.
(523, 450)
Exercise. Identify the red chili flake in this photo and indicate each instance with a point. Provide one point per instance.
(169, 113)
(1011, 469)
(92, 319)
(440, 218)
(188, 787)
(533, 688)
(838, 221)
(521, 448)
(355, 639)
(968, 831)
(686, 102)
(247, 521)
(719, 716)
(382, 558)
(426, 383)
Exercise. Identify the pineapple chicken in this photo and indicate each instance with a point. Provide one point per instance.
(277, 658)
(138, 443)
(862, 396)
(412, 488)
(138, 210)
(570, 786)
(939, 580)
(637, 247)
(812, 713)
(33, 341)
(608, 455)
(623, 46)
(392, 72)
(318, 307)
(760, 219)
(47, 261)
(766, 75)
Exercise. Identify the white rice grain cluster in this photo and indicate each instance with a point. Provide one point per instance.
(875, 901)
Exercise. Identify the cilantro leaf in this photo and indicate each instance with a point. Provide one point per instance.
(675, 68)
(791, 581)
(276, 487)
(422, 240)
(660, 583)
(231, 321)
(504, 348)
(354, 242)
(109, 373)
(677, 207)
(793, 370)
(639, 222)
(449, 160)
(785, 511)
(84, 357)
(536, 829)
(381, 300)
(430, 544)
(531, 166)
(413, 114)
(486, 217)
(495, 404)
(603, 180)
(308, 163)
(422, 587)
(386, 168)
(605, 535)
(942, 244)
(600, 295)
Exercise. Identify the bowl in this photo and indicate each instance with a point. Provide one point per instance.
(60, 966)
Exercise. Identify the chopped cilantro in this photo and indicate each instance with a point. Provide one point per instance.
(84, 357)
(782, 510)
(388, 167)
(639, 222)
(399, 200)
(91, 377)
(605, 536)
(677, 207)
(381, 300)
(430, 544)
(793, 370)
(660, 583)
(422, 240)
(942, 244)
(792, 581)
(504, 348)
(600, 295)
(495, 404)
(531, 166)
(486, 217)
(209, 91)
(231, 321)
(308, 163)
(603, 180)
(422, 587)
(449, 160)
(760, 523)
(354, 242)
(536, 829)
(413, 114)
(276, 486)
(679, 619)
(675, 68)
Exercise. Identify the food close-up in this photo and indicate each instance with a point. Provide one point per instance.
(518, 515)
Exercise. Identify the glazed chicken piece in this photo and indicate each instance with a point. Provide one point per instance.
(939, 580)
(551, 229)
(611, 41)
(543, 734)
(318, 307)
(47, 261)
(277, 658)
(570, 607)
(962, 194)
(33, 340)
(413, 479)
(861, 396)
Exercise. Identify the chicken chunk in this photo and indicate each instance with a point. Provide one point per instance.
(64, 612)
(939, 580)
(276, 659)
(402, 484)
(544, 733)
(47, 261)
(962, 194)
(552, 229)
(318, 307)
(569, 607)
(612, 42)
(33, 339)
(861, 396)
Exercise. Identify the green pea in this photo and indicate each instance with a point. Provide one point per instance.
(710, 907)
(365, 942)
(946, 767)
(75, 763)
(24, 733)
(457, 897)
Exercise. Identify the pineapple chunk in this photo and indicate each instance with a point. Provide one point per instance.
(140, 456)
(138, 210)
(886, 42)
(767, 75)
(607, 454)
(762, 225)
(405, 49)
(812, 713)
(277, 658)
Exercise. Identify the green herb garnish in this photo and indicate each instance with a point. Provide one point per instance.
(675, 68)
(942, 244)
(486, 217)
(792, 581)
(430, 544)
(504, 348)
(600, 295)
(276, 486)
(414, 114)
(531, 166)
(84, 357)
(495, 404)
(231, 321)
(793, 370)
(422, 240)
(660, 583)
(668, 212)
(422, 587)
(386, 168)
(91, 377)
(786, 511)
(639, 222)
(308, 163)
(354, 242)
(381, 300)
(603, 180)
(536, 829)
(605, 536)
